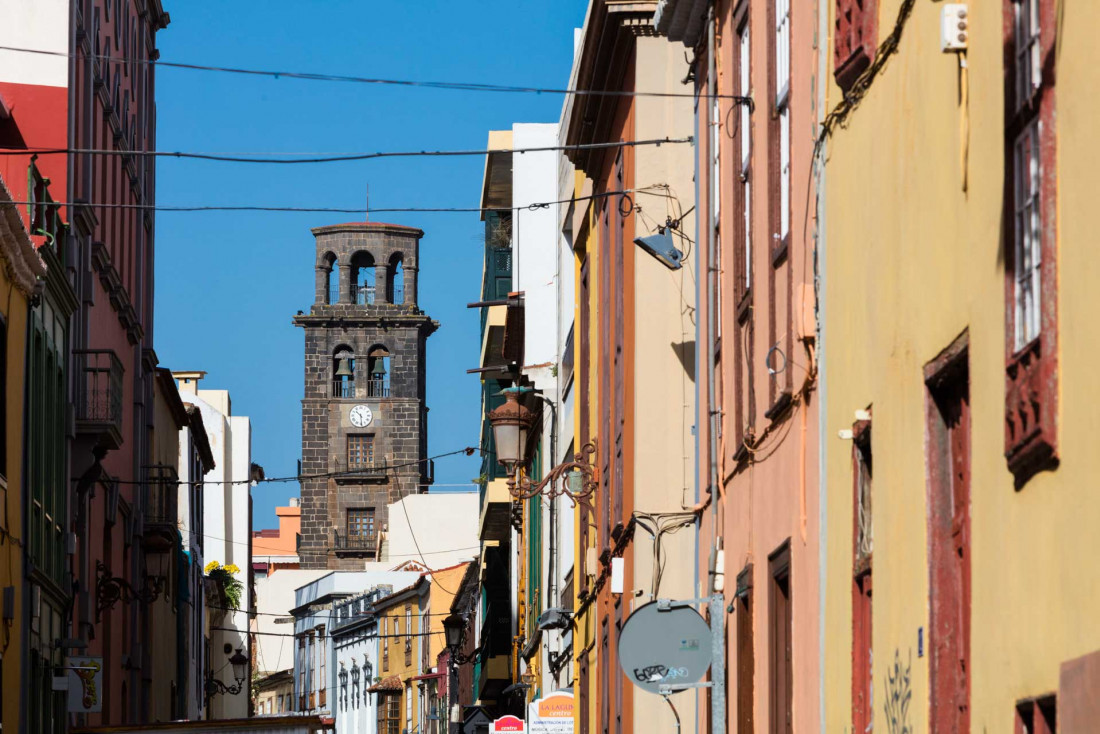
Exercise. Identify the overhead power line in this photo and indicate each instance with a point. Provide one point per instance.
(338, 157)
(337, 210)
(322, 77)
(370, 472)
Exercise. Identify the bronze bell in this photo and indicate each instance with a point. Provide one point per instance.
(379, 366)
(343, 369)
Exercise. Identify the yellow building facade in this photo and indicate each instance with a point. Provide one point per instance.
(957, 311)
(21, 268)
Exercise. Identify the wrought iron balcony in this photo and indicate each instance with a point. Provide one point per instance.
(354, 472)
(360, 388)
(161, 496)
(99, 395)
(344, 543)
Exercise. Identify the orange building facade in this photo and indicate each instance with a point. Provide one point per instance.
(755, 68)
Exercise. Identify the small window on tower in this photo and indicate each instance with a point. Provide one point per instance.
(361, 528)
(360, 451)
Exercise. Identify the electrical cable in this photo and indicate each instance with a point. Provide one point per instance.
(328, 210)
(315, 76)
(338, 157)
(416, 543)
(373, 472)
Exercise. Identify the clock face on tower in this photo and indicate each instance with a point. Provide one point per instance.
(361, 416)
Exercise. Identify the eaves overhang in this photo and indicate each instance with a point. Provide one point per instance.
(681, 20)
(496, 183)
(601, 65)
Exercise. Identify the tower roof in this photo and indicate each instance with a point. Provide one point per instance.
(366, 227)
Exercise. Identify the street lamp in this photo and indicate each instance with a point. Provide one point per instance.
(453, 627)
(240, 673)
(511, 424)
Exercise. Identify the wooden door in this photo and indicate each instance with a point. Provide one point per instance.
(781, 678)
(949, 557)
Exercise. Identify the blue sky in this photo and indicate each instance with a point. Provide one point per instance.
(227, 284)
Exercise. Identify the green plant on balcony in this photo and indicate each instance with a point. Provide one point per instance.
(232, 587)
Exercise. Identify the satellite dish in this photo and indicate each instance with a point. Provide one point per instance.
(664, 646)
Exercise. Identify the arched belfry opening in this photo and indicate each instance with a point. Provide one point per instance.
(362, 279)
(378, 372)
(331, 271)
(343, 372)
(396, 288)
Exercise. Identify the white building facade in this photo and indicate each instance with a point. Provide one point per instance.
(543, 270)
(226, 529)
(355, 654)
(315, 620)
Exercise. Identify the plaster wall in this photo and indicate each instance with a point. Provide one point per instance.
(534, 180)
(664, 394)
(227, 532)
(275, 599)
(40, 25)
(769, 497)
(913, 265)
(442, 524)
(14, 313)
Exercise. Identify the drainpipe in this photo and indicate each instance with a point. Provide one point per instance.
(822, 381)
(717, 603)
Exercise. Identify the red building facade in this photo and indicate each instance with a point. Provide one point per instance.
(110, 262)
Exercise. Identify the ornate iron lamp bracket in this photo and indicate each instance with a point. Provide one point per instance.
(109, 589)
(556, 483)
(214, 687)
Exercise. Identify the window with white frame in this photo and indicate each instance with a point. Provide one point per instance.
(1029, 72)
(1028, 238)
(745, 90)
(783, 111)
(716, 206)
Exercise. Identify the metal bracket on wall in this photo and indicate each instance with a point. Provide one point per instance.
(109, 589)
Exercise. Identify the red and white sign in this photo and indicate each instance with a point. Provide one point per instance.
(507, 724)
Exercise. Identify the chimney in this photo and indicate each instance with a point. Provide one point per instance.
(188, 382)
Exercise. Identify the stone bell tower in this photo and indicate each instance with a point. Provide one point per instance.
(364, 421)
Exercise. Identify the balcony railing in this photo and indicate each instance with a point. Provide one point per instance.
(333, 293)
(161, 495)
(99, 393)
(357, 472)
(362, 295)
(361, 389)
(355, 543)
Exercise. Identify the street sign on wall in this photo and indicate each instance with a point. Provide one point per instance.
(551, 715)
(664, 645)
(509, 724)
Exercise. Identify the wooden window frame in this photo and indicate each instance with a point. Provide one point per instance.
(743, 413)
(1037, 715)
(949, 449)
(780, 647)
(1031, 369)
(368, 515)
(862, 583)
(746, 657)
(360, 450)
(854, 40)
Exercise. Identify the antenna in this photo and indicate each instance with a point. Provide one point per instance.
(366, 214)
